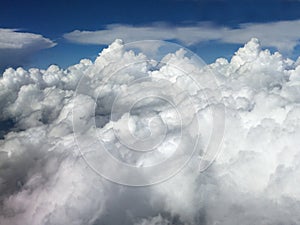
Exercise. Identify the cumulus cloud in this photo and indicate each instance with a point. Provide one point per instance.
(16, 47)
(44, 179)
(283, 35)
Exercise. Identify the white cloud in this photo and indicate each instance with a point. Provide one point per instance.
(44, 180)
(283, 35)
(16, 47)
(188, 35)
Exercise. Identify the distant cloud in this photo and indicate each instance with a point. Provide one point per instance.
(16, 47)
(283, 35)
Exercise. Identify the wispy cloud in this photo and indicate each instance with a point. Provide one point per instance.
(16, 47)
(283, 35)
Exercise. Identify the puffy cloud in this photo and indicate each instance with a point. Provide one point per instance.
(283, 35)
(44, 179)
(16, 47)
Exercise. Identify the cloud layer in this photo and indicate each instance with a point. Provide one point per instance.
(283, 35)
(16, 47)
(44, 179)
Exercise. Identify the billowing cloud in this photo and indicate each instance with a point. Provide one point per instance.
(44, 179)
(16, 47)
(283, 35)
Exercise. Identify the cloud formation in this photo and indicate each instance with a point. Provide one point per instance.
(283, 35)
(16, 47)
(44, 179)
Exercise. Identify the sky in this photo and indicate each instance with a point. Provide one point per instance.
(63, 32)
(155, 138)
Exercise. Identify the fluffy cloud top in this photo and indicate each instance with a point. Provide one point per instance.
(283, 35)
(44, 179)
(16, 47)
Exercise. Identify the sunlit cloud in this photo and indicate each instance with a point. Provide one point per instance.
(44, 179)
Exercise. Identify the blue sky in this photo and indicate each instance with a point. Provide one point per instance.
(63, 32)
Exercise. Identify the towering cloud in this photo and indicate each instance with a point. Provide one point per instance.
(16, 47)
(50, 172)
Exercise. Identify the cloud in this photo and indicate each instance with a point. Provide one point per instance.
(283, 35)
(44, 179)
(16, 47)
(188, 35)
